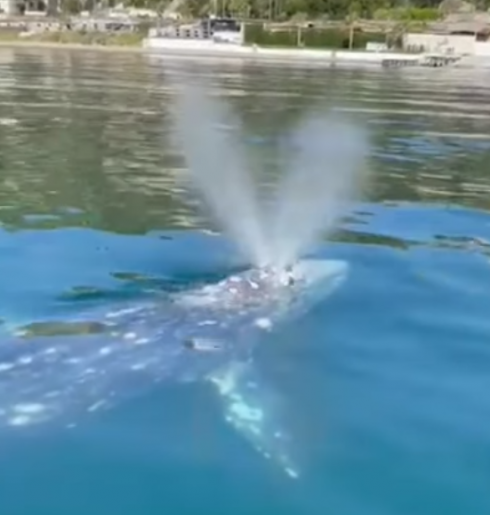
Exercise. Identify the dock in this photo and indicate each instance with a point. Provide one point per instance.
(400, 62)
(426, 60)
(439, 60)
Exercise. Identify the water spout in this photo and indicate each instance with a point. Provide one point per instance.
(325, 165)
(218, 169)
(324, 173)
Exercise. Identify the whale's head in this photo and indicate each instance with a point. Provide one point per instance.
(306, 283)
(267, 294)
(316, 278)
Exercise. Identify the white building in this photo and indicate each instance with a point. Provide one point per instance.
(440, 43)
(450, 44)
(8, 7)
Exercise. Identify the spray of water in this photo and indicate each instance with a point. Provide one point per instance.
(324, 173)
(206, 131)
(326, 157)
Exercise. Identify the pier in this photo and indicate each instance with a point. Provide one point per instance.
(439, 60)
(400, 62)
(426, 60)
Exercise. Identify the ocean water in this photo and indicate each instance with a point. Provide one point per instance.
(386, 383)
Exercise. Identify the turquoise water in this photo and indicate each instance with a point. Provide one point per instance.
(385, 383)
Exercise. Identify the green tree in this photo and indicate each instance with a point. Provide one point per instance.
(238, 8)
(294, 7)
(422, 10)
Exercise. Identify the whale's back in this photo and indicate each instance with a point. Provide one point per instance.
(133, 347)
(46, 377)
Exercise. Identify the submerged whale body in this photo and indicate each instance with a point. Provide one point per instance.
(205, 334)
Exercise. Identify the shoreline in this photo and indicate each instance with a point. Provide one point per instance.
(306, 56)
(52, 45)
(225, 51)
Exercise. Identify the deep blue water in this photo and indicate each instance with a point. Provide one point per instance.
(385, 383)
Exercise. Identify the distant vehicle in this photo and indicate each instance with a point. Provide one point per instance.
(221, 25)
